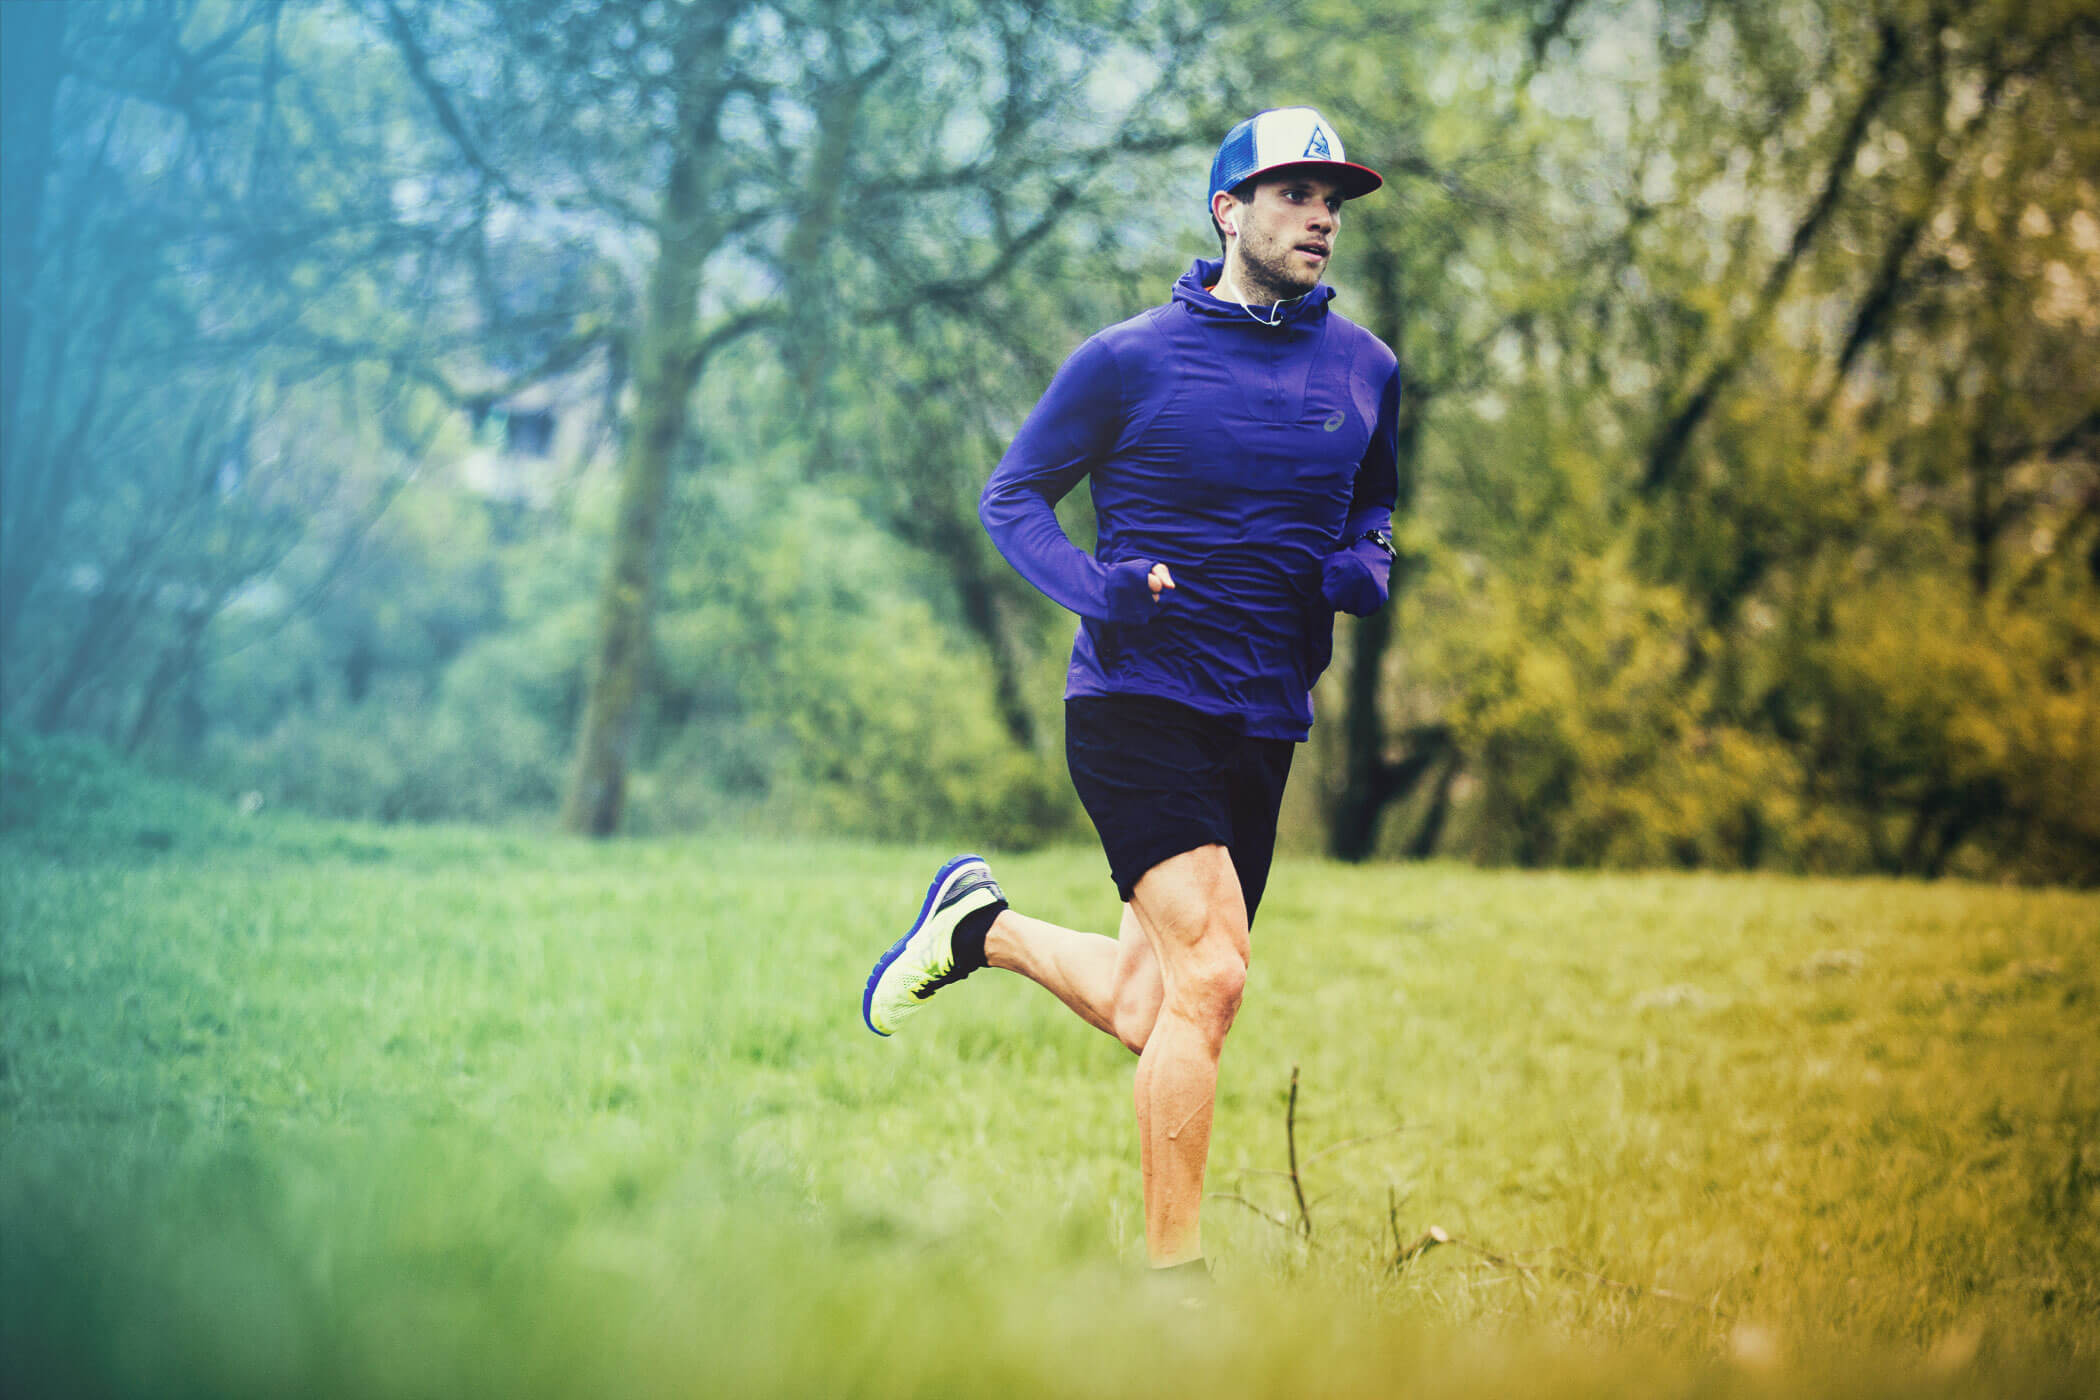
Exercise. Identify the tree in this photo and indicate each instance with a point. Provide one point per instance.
(32, 59)
(1460, 173)
(1824, 353)
(724, 144)
(170, 276)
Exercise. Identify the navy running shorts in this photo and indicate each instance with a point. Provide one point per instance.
(1159, 778)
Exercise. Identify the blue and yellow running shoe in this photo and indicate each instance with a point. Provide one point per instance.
(923, 961)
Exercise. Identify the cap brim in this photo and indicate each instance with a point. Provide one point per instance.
(1355, 180)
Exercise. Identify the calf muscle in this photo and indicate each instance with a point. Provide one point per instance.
(1168, 987)
(1190, 906)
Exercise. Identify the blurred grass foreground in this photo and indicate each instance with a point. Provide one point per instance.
(301, 1108)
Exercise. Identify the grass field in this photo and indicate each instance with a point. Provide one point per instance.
(294, 1109)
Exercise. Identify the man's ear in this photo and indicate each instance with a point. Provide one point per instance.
(1224, 208)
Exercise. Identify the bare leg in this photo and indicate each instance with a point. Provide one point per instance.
(1191, 908)
(1168, 987)
(1113, 984)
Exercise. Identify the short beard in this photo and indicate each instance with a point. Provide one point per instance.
(1271, 277)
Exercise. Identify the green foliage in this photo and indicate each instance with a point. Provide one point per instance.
(1938, 715)
(395, 759)
(385, 1112)
(438, 682)
(72, 797)
(1753, 312)
(1749, 446)
(817, 690)
(801, 680)
(1588, 745)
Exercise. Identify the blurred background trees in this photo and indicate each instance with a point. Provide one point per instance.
(444, 409)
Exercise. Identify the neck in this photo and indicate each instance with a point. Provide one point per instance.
(1234, 284)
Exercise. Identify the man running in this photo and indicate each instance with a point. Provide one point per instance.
(1240, 447)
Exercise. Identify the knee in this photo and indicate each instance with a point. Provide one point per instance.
(1211, 989)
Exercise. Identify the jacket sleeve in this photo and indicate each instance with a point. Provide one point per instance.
(1358, 578)
(1071, 427)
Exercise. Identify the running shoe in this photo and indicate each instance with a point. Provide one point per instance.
(923, 961)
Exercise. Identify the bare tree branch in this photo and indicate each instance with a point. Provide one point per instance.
(441, 104)
(1666, 452)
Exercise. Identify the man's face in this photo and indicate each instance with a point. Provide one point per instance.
(1287, 232)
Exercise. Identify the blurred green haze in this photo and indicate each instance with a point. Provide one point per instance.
(573, 410)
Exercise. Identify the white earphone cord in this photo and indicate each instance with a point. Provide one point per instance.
(1279, 307)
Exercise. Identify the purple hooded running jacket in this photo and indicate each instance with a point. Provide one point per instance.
(1251, 459)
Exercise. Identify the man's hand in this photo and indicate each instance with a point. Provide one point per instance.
(1136, 588)
(1354, 579)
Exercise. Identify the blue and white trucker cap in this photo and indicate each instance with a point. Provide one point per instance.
(1285, 136)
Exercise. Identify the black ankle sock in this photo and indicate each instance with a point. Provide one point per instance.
(969, 937)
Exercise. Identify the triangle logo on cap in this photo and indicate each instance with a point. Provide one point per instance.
(1316, 149)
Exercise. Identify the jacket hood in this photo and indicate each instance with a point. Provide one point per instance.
(1193, 292)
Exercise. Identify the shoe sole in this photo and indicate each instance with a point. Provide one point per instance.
(867, 998)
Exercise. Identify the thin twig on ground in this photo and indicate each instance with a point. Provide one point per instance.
(1333, 1148)
(1636, 1288)
(1500, 1261)
(1278, 1221)
(1290, 1139)
(1431, 1238)
(1437, 1234)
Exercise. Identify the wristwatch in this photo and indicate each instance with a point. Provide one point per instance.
(1383, 539)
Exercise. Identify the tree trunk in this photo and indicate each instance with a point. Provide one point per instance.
(176, 667)
(666, 366)
(1369, 782)
(110, 621)
(935, 524)
(808, 343)
(31, 41)
(1422, 845)
(984, 608)
(30, 65)
(1353, 825)
(1983, 512)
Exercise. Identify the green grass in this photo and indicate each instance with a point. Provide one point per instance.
(301, 1109)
